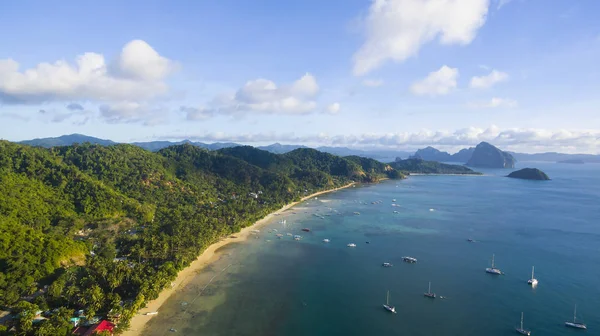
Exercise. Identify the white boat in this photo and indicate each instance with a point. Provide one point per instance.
(387, 264)
(394, 200)
(409, 260)
(493, 269)
(429, 294)
(351, 245)
(325, 240)
(387, 306)
(533, 281)
(297, 237)
(356, 213)
(575, 324)
(521, 330)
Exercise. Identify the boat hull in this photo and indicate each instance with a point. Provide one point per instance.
(523, 331)
(576, 325)
(390, 308)
(532, 282)
(493, 271)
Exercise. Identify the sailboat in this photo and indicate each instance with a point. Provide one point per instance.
(521, 330)
(429, 294)
(575, 324)
(533, 281)
(493, 269)
(387, 306)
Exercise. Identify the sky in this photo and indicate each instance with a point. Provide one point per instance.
(395, 74)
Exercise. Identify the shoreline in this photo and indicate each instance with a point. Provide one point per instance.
(139, 321)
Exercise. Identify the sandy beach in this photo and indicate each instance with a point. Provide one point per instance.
(139, 321)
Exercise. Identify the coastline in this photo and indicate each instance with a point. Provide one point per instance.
(139, 321)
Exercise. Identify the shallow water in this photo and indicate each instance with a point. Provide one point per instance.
(271, 286)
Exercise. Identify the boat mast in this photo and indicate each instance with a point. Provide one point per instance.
(575, 314)
(532, 269)
(521, 320)
(493, 260)
(387, 300)
(429, 291)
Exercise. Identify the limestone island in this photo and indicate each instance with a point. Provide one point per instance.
(486, 155)
(529, 174)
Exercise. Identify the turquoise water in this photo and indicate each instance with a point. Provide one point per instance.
(270, 286)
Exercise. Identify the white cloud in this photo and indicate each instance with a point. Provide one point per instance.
(138, 60)
(517, 139)
(262, 96)
(138, 73)
(484, 82)
(333, 108)
(396, 29)
(194, 114)
(439, 82)
(372, 82)
(132, 112)
(496, 103)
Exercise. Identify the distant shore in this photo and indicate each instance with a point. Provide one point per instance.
(139, 321)
(438, 174)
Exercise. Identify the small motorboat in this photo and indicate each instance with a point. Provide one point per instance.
(387, 264)
(297, 237)
(351, 245)
(409, 260)
(325, 240)
(306, 230)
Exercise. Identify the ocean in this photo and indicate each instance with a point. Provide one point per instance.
(271, 286)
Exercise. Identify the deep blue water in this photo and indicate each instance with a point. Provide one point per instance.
(276, 286)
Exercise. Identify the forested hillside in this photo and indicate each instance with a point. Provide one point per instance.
(105, 228)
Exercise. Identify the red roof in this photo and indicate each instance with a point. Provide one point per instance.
(102, 326)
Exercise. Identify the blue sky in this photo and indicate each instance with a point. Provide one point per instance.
(522, 74)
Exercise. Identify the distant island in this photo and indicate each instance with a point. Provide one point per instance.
(417, 165)
(572, 161)
(486, 155)
(529, 174)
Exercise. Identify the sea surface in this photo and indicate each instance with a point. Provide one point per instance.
(271, 286)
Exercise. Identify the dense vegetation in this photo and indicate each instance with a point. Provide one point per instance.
(529, 174)
(419, 166)
(105, 228)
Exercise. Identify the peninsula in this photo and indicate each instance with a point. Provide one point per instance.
(106, 228)
(419, 166)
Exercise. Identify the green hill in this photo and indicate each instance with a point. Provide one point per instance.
(67, 212)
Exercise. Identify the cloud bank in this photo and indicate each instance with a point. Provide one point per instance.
(263, 96)
(517, 139)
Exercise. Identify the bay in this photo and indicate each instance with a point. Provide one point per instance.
(271, 286)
